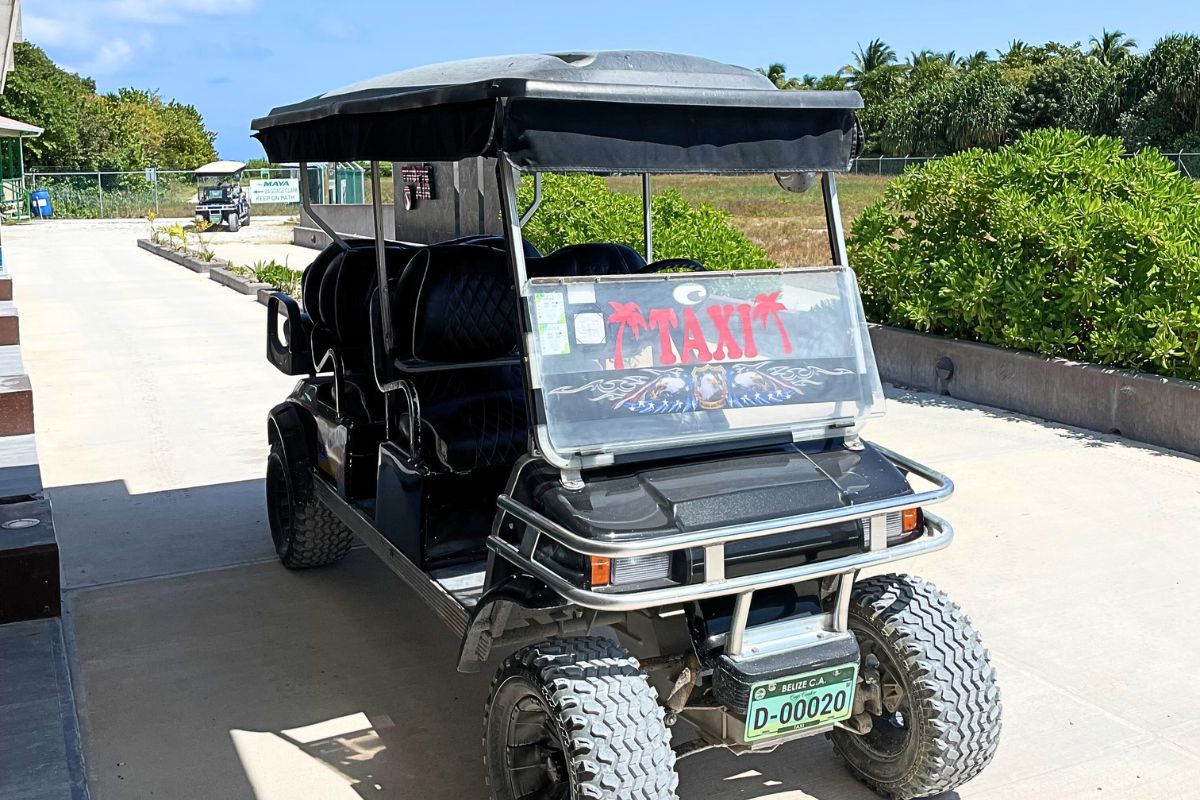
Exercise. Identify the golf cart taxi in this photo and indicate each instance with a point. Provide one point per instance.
(644, 482)
(220, 199)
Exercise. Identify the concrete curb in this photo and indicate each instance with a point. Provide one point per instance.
(183, 259)
(1148, 408)
(236, 282)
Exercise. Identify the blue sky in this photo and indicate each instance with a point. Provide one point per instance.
(235, 59)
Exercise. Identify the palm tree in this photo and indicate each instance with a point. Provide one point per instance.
(1111, 47)
(876, 55)
(978, 58)
(1017, 51)
(767, 307)
(627, 315)
(777, 74)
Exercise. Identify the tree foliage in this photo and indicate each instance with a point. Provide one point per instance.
(940, 102)
(129, 129)
(1059, 243)
(581, 208)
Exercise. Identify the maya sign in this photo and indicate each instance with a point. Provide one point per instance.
(275, 190)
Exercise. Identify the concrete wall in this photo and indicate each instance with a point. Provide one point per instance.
(1160, 411)
(355, 220)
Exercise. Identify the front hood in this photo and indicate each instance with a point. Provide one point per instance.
(712, 494)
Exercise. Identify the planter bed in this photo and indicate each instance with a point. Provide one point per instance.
(1148, 408)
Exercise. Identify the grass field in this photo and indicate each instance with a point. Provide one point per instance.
(791, 227)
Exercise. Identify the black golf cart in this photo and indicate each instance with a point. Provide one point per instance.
(642, 480)
(220, 199)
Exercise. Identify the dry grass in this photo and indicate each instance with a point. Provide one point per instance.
(791, 227)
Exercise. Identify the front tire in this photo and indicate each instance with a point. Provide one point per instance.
(306, 533)
(576, 718)
(234, 222)
(940, 707)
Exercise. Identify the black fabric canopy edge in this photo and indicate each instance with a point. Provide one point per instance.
(565, 134)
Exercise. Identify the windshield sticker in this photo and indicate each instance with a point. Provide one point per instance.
(581, 293)
(589, 329)
(705, 388)
(551, 323)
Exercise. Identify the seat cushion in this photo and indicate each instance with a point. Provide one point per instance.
(455, 304)
(598, 258)
(471, 418)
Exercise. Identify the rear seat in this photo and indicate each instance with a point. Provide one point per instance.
(453, 307)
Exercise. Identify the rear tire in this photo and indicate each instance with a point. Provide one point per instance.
(576, 718)
(935, 674)
(306, 533)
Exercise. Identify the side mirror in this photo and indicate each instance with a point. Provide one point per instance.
(797, 182)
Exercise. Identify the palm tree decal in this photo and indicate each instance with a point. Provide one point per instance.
(766, 307)
(627, 315)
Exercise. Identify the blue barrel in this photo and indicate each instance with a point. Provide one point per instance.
(39, 203)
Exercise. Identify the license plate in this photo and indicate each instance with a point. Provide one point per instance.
(800, 702)
(214, 218)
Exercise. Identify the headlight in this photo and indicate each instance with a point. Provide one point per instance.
(900, 525)
(634, 569)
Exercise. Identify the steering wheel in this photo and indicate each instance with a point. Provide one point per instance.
(685, 264)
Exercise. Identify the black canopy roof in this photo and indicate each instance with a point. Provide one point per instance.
(604, 111)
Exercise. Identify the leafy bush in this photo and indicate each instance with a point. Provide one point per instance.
(581, 208)
(1056, 244)
(281, 276)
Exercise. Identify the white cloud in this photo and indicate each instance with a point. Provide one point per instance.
(103, 37)
(111, 57)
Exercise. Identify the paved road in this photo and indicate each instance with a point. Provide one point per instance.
(204, 670)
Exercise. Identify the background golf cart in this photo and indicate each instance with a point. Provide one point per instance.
(220, 198)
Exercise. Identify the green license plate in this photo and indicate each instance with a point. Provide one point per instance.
(214, 218)
(800, 702)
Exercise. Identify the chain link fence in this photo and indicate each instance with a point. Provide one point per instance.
(172, 193)
(117, 194)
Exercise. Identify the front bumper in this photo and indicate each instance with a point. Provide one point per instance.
(936, 535)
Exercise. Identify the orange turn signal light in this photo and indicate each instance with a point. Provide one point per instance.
(910, 518)
(601, 570)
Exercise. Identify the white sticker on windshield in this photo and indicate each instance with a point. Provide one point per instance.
(589, 328)
(581, 293)
(548, 307)
(553, 339)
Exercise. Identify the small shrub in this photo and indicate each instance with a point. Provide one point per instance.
(1057, 244)
(581, 208)
(282, 277)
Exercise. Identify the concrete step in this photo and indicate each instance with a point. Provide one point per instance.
(20, 475)
(10, 330)
(10, 360)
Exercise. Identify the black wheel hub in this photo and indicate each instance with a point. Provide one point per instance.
(891, 731)
(534, 758)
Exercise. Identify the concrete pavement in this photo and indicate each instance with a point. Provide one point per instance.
(204, 670)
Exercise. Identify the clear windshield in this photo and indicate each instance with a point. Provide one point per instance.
(210, 193)
(668, 360)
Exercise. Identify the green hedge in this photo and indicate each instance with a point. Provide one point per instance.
(581, 208)
(1057, 243)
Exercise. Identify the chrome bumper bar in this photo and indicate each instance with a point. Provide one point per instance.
(937, 535)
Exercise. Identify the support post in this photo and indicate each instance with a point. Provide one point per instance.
(385, 307)
(833, 220)
(306, 204)
(647, 223)
(100, 193)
